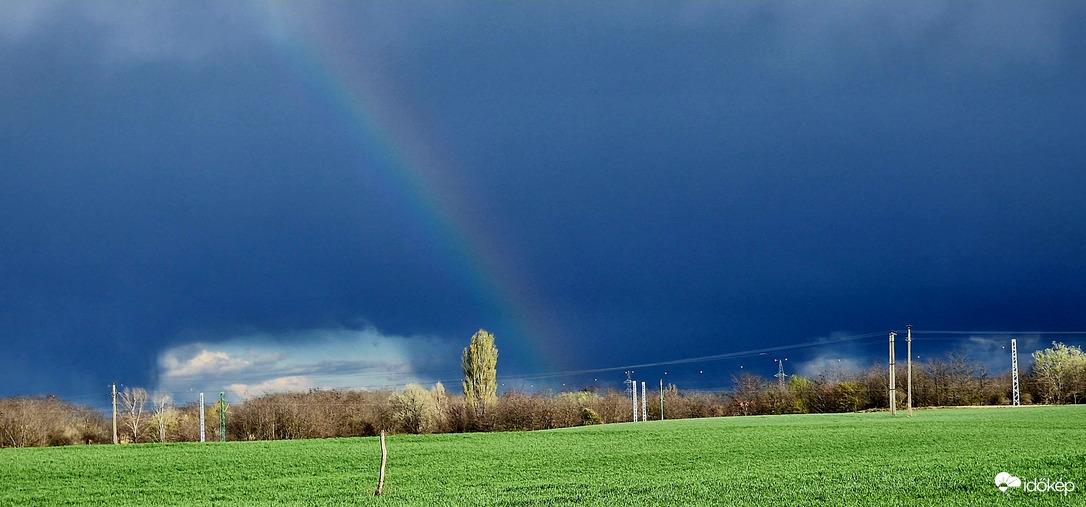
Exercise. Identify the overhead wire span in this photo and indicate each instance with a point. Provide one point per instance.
(999, 333)
(715, 357)
(937, 335)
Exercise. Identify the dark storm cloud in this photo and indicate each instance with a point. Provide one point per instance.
(718, 174)
(743, 173)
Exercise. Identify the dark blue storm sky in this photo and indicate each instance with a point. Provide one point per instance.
(184, 205)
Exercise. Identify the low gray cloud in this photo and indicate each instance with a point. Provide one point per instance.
(130, 33)
(19, 20)
(822, 38)
(831, 365)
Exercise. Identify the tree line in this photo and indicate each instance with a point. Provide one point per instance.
(1057, 375)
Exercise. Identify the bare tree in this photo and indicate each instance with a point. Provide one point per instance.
(133, 402)
(748, 393)
(165, 413)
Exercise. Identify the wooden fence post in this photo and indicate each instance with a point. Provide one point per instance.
(384, 457)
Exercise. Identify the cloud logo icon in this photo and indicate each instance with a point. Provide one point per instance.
(1004, 480)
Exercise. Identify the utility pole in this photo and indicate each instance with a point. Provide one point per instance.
(634, 385)
(909, 363)
(644, 407)
(1014, 372)
(222, 416)
(893, 383)
(114, 412)
(661, 399)
(202, 437)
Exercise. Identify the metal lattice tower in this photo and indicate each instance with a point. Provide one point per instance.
(1014, 371)
(780, 373)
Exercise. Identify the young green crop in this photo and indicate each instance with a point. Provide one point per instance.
(945, 457)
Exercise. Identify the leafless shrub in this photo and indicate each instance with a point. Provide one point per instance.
(45, 421)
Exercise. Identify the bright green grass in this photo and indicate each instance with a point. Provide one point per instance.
(937, 457)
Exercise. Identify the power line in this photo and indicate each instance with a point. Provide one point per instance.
(996, 332)
(715, 357)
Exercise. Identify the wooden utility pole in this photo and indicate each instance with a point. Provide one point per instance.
(893, 383)
(114, 412)
(909, 363)
(384, 457)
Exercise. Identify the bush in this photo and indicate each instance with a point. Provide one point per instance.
(589, 417)
(416, 410)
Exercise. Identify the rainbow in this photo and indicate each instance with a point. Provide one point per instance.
(351, 80)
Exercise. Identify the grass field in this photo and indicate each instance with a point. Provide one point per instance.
(948, 456)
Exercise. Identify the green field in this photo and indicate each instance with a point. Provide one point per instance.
(948, 456)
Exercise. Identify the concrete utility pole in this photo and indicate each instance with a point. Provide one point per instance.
(909, 363)
(202, 437)
(634, 385)
(893, 384)
(644, 406)
(1014, 372)
(114, 412)
(661, 399)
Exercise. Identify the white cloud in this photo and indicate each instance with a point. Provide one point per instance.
(831, 365)
(276, 385)
(205, 362)
(258, 363)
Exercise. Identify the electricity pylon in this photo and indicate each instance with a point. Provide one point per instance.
(1014, 371)
(781, 377)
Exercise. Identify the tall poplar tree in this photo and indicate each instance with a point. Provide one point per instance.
(480, 364)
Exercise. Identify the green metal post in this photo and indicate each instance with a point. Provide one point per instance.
(222, 416)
